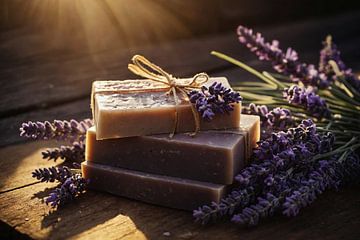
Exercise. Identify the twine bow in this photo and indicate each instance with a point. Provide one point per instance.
(146, 69)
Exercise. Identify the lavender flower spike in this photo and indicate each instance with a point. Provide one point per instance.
(278, 119)
(331, 52)
(216, 99)
(308, 99)
(69, 190)
(283, 62)
(60, 130)
(237, 199)
(318, 180)
(74, 153)
(263, 208)
(52, 174)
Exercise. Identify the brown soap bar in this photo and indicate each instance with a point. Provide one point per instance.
(127, 108)
(156, 189)
(211, 156)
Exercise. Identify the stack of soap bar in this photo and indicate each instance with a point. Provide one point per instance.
(156, 189)
(142, 107)
(213, 156)
(184, 172)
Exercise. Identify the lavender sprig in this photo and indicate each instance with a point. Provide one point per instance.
(238, 198)
(216, 99)
(270, 173)
(52, 174)
(331, 52)
(322, 177)
(278, 119)
(283, 151)
(68, 191)
(308, 99)
(263, 208)
(283, 62)
(74, 153)
(60, 130)
(327, 53)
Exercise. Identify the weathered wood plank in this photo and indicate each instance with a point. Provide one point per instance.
(336, 215)
(51, 77)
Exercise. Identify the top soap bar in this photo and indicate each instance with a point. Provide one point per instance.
(125, 108)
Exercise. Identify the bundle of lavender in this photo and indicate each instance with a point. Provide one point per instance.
(310, 135)
(71, 184)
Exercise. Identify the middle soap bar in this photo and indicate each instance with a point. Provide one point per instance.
(143, 107)
(210, 156)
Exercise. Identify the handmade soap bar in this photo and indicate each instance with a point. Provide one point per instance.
(161, 190)
(211, 156)
(143, 107)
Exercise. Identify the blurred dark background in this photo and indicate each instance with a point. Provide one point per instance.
(96, 25)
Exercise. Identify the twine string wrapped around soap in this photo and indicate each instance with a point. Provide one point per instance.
(142, 66)
(146, 69)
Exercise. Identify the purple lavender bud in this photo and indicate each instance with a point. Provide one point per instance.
(59, 197)
(326, 174)
(263, 208)
(307, 98)
(74, 153)
(59, 130)
(216, 99)
(71, 188)
(278, 119)
(52, 174)
(331, 52)
(284, 150)
(237, 199)
(286, 63)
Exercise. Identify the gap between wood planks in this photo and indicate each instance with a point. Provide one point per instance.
(19, 187)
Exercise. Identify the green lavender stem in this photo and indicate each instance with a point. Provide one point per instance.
(274, 83)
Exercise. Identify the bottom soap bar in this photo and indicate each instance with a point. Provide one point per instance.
(156, 189)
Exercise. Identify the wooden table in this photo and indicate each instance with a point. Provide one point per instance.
(38, 83)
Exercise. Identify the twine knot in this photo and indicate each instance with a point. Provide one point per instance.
(146, 69)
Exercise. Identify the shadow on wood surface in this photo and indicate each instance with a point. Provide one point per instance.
(9, 233)
(95, 214)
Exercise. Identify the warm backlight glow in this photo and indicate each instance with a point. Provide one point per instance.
(99, 25)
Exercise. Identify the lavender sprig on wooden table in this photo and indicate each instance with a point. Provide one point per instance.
(74, 153)
(71, 188)
(59, 130)
(52, 174)
(71, 131)
(70, 184)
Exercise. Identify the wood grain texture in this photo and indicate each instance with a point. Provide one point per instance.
(95, 215)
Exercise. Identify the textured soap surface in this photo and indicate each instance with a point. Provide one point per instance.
(125, 109)
(211, 156)
(160, 190)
